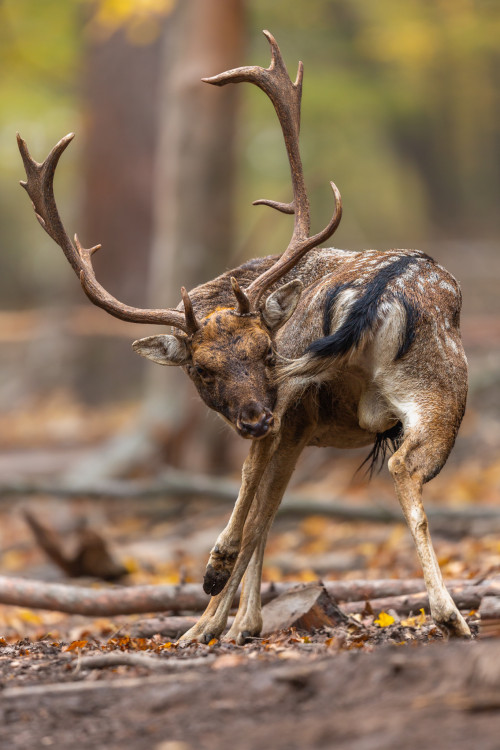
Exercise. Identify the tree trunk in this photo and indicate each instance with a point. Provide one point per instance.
(121, 107)
(187, 199)
(193, 206)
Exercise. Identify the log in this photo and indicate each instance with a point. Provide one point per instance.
(466, 597)
(168, 627)
(145, 661)
(188, 486)
(189, 597)
(489, 610)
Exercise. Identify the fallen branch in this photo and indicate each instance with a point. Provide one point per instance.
(490, 616)
(170, 628)
(153, 663)
(187, 486)
(92, 557)
(466, 597)
(189, 597)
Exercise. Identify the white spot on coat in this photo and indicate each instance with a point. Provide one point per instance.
(449, 287)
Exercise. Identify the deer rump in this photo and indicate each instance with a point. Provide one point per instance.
(311, 347)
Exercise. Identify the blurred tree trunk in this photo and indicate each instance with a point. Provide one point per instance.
(121, 108)
(193, 206)
(181, 208)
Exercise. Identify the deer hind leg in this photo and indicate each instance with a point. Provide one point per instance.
(421, 456)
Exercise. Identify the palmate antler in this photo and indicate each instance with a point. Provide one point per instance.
(39, 186)
(286, 97)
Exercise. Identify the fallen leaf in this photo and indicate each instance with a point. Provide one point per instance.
(74, 645)
(33, 618)
(384, 620)
(415, 622)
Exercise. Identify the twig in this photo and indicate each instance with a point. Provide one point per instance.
(153, 663)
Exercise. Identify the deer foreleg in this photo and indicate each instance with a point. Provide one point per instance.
(248, 620)
(225, 552)
(259, 518)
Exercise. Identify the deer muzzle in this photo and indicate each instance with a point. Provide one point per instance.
(254, 420)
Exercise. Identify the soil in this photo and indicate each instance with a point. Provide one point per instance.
(287, 693)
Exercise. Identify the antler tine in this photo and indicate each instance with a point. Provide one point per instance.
(191, 320)
(241, 298)
(40, 188)
(295, 251)
(286, 98)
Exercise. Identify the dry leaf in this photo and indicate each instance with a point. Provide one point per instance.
(384, 620)
(74, 645)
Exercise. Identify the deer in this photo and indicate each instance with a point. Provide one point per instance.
(311, 347)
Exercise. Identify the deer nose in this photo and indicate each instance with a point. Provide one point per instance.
(254, 420)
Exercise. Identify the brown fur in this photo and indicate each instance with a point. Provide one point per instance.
(344, 400)
(231, 359)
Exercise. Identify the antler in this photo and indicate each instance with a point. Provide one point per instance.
(286, 97)
(39, 186)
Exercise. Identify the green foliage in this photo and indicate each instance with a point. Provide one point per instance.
(400, 108)
(40, 50)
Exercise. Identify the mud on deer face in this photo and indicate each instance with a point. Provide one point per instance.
(229, 356)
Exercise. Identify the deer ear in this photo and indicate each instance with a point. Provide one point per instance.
(164, 349)
(281, 304)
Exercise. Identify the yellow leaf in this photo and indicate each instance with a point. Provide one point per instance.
(421, 618)
(213, 642)
(383, 620)
(409, 622)
(308, 575)
(415, 622)
(26, 615)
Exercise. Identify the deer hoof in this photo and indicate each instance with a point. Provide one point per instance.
(215, 580)
(245, 637)
(454, 626)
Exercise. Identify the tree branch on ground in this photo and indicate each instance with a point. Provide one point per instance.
(179, 484)
(400, 595)
(153, 663)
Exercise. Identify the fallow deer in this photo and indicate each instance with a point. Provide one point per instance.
(319, 347)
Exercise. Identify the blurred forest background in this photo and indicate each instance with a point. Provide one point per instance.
(401, 108)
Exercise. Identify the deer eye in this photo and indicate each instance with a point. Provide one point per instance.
(202, 372)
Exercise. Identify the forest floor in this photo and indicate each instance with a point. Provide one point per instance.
(393, 683)
(384, 681)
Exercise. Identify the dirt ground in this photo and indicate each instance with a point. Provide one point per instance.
(299, 695)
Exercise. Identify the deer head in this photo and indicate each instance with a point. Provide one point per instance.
(229, 354)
